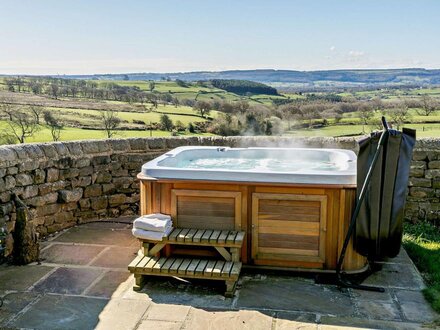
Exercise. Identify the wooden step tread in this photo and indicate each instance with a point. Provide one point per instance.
(185, 267)
(188, 236)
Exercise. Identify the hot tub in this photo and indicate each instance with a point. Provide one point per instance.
(293, 203)
(278, 165)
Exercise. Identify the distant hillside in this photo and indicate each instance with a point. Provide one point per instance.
(243, 87)
(338, 77)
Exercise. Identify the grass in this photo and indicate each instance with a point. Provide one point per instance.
(184, 114)
(422, 242)
(73, 133)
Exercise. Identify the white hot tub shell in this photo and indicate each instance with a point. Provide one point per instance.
(280, 165)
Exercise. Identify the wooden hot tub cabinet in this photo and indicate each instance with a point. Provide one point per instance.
(287, 225)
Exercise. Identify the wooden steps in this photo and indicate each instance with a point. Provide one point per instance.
(201, 237)
(227, 242)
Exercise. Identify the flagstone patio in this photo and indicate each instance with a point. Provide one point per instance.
(83, 283)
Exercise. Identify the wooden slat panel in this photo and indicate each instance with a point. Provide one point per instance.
(206, 209)
(165, 199)
(190, 208)
(227, 269)
(167, 265)
(192, 266)
(214, 237)
(240, 237)
(201, 267)
(207, 234)
(289, 217)
(135, 261)
(299, 231)
(173, 235)
(222, 237)
(175, 266)
(276, 209)
(206, 223)
(209, 268)
(159, 264)
(183, 266)
(143, 262)
(198, 235)
(289, 251)
(235, 270)
(149, 265)
(289, 241)
(205, 199)
(216, 272)
(203, 219)
(189, 236)
(289, 224)
(231, 237)
(182, 234)
(290, 203)
(156, 197)
(145, 198)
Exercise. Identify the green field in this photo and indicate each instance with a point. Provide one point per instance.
(72, 133)
(92, 116)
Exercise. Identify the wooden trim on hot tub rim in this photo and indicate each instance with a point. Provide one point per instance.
(147, 178)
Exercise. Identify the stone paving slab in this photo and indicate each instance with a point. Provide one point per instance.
(286, 293)
(88, 289)
(59, 311)
(20, 278)
(68, 281)
(116, 257)
(199, 319)
(70, 253)
(121, 314)
(414, 306)
(109, 283)
(14, 302)
(98, 234)
(397, 275)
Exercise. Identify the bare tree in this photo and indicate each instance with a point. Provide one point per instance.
(429, 105)
(54, 124)
(175, 102)
(399, 113)
(151, 86)
(110, 121)
(203, 107)
(7, 107)
(54, 90)
(37, 111)
(23, 125)
(365, 112)
(242, 106)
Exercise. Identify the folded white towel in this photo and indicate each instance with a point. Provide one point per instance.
(150, 235)
(153, 222)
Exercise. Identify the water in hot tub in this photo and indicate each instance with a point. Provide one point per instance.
(293, 163)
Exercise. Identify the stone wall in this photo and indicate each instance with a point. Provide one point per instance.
(68, 183)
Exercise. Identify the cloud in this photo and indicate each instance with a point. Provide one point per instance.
(332, 48)
(356, 53)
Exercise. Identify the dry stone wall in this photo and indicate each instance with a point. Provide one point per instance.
(69, 183)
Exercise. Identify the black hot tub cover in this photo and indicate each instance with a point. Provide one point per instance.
(379, 224)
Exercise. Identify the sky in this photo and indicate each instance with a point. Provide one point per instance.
(107, 36)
